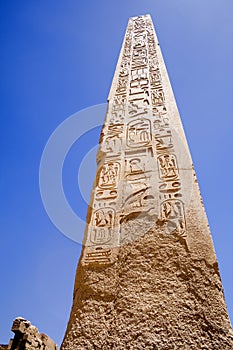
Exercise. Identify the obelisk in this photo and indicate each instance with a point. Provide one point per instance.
(148, 276)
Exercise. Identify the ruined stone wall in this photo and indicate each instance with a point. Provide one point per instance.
(148, 276)
(27, 337)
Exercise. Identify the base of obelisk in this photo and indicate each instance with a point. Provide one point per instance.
(157, 295)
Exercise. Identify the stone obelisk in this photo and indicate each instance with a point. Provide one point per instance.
(148, 276)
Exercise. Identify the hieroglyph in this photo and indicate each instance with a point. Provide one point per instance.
(138, 169)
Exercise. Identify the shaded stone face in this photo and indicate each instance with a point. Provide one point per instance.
(148, 276)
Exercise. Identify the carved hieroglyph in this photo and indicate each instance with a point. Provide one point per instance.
(138, 166)
(148, 276)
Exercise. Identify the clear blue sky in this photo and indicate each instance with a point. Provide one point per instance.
(58, 57)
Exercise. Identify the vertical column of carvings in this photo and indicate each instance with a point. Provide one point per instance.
(102, 231)
(138, 179)
(170, 194)
(139, 203)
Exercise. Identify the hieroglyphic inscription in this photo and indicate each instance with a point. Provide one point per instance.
(107, 186)
(139, 193)
(138, 180)
(109, 175)
(103, 228)
(113, 140)
(103, 221)
(171, 208)
(138, 149)
(138, 133)
(101, 256)
(167, 167)
(118, 109)
(173, 212)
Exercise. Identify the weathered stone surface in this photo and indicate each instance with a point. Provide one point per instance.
(148, 276)
(156, 296)
(27, 337)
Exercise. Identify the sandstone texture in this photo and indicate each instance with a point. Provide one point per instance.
(155, 296)
(148, 276)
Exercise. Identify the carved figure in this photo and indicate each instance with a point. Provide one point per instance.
(161, 122)
(172, 212)
(135, 110)
(164, 141)
(153, 63)
(157, 97)
(135, 172)
(139, 60)
(139, 200)
(112, 144)
(101, 236)
(122, 85)
(167, 166)
(155, 79)
(136, 166)
(139, 133)
(139, 41)
(119, 101)
(109, 174)
(103, 218)
(124, 71)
